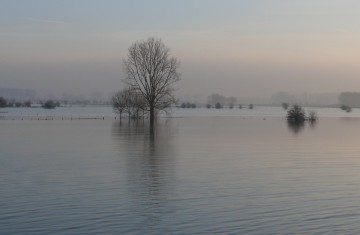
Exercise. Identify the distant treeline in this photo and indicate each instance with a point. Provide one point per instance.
(6, 103)
(217, 101)
(49, 104)
(222, 100)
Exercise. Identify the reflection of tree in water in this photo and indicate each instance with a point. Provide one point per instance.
(297, 127)
(149, 175)
(312, 123)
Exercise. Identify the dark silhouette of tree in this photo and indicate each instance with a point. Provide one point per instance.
(151, 71)
(285, 106)
(218, 106)
(312, 117)
(188, 105)
(27, 103)
(251, 106)
(130, 102)
(139, 104)
(49, 104)
(216, 98)
(118, 103)
(3, 102)
(296, 114)
(346, 108)
(208, 106)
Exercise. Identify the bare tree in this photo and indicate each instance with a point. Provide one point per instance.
(130, 102)
(151, 71)
(118, 103)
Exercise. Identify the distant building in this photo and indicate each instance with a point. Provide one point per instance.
(17, 94)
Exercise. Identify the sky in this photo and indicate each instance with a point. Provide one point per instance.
(232, 47)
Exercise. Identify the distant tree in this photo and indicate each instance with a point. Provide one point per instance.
(224, 101)
(151, 71)
(130, 102)
(231, 102)
(217, 98)
(49, 104)
(118, 103)
(296, 114)
(18, 104)
(251, 106)
(188, 105)
(3, 102)
(346, 108)
(285, 106)
(240, 106)
(218, 106)
(27, 103)
(208, 106)
(139, 103)
(312, 117)
(343, 107)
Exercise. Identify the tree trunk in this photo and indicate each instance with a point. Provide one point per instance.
(152, 117)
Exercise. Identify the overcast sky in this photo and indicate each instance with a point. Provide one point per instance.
(233, 47)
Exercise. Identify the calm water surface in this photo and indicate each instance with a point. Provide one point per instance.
(197, 175)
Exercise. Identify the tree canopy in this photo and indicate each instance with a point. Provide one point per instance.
(151, 71)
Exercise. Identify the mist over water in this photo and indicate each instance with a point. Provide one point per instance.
(225, 160)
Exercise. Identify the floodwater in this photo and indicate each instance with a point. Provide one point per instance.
(196, 175)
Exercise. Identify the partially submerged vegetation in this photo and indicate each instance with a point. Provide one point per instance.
(50, 104)
(312, 117)
(130, 102)
(218, 106)
(346, 108)
(296, 114)
(150, 73)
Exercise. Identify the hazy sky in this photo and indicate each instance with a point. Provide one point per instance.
(233, 47)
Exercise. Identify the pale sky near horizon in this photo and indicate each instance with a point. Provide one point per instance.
(232, 47)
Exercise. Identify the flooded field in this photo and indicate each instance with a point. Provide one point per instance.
(219, 174)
